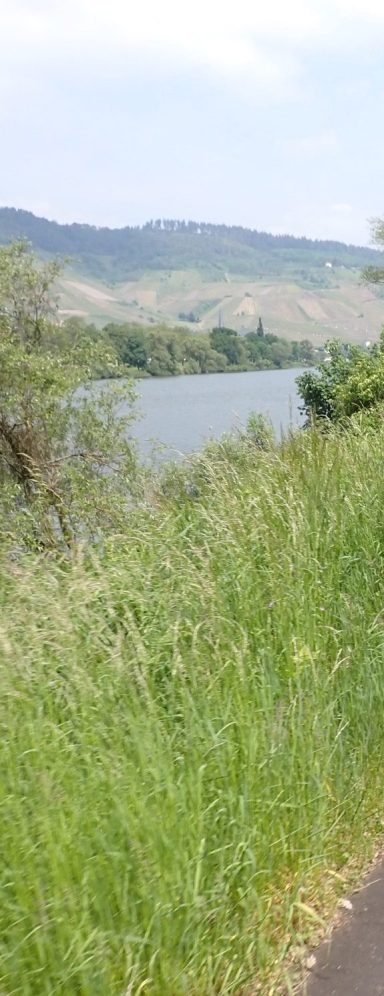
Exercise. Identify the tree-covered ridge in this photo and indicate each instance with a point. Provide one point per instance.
(158, 351)
(117, 254)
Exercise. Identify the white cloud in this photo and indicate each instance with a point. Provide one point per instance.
(249, 40)
(319, 220)
(90, 89)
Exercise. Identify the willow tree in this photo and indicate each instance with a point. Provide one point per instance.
(66, 465)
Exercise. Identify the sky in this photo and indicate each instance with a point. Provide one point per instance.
(263, 113)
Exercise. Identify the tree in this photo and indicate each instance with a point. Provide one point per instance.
(189, 316)
(163, 360)
(66, 468)
(350, 380)
(280, 353)
(363, 389)
(129, 343)
(319, 388)
(375, 274)
(257, 350)
(305, 351)
(225, 340)
(201, 358)
(260, 329)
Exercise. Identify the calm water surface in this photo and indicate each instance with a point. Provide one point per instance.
(181, 413)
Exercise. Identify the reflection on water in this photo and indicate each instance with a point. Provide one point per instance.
(182, 412)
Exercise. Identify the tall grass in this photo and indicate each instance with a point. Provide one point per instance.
(192, 727)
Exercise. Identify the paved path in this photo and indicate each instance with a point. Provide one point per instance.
(351, 963)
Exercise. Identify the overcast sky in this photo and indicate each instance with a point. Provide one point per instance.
(265, 113)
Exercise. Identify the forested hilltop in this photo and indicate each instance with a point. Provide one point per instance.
(176, 244)
(169, 272)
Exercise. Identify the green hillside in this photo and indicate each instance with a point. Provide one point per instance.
(179, 245)
(208, 273)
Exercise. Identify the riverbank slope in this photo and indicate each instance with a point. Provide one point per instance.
(192, 744)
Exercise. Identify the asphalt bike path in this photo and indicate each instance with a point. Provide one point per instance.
(351, 961)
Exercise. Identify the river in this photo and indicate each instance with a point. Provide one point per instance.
(181, 413)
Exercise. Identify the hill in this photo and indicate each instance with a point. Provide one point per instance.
(205, 272)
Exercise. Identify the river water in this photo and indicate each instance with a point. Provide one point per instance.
(181, 413)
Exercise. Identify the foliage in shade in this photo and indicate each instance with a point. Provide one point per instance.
(348, 381)
(66, 467)
(159, 351)
(167, 244)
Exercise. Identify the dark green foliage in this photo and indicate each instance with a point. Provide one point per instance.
(189, 317)
(270, 351)
(227, 341)
(116, 254)
(349, 380)
(129, 345)
(161, 351)
(66, 467)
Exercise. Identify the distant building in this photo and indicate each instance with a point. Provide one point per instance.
(329, 265)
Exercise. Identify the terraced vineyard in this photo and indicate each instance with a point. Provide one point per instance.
(205, 275)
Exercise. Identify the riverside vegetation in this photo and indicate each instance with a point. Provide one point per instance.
(192, 685)
(168, 271)
(159, 351)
